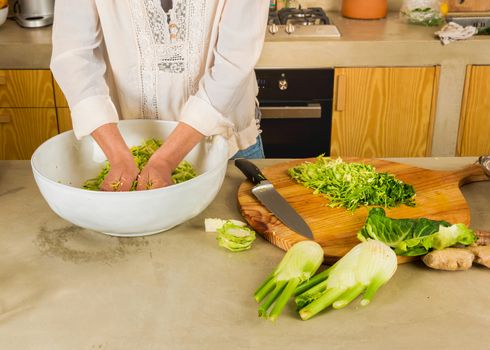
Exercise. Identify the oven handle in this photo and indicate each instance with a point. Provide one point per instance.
(311, 111)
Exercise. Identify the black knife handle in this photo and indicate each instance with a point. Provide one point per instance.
(250, 170)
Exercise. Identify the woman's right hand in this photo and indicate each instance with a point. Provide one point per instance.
(123, 171)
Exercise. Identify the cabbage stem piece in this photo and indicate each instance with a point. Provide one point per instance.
(235, 238)
(365, 268)
(298, 265)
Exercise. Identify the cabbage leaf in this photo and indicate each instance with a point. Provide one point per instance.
(413, 237)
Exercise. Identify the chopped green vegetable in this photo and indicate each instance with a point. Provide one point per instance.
(142, 154)
(235, 237)
(426, 16)
(413, 237)
(452, 235)
(298, 265)
(351, 185)
(366, 267)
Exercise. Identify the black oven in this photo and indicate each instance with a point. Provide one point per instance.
(296, 106)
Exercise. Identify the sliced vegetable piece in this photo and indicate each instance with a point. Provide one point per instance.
(235, 237)
(299, 263)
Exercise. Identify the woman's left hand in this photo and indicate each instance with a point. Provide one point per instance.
(157, 173)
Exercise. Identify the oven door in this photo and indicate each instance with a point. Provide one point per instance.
(296, 108)
(301, 130)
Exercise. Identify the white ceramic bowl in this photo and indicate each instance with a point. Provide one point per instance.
(62, 163)
(3, 15)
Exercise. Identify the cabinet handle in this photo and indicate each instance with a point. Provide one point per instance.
(340, 100)
(4, 119)
(312, 111)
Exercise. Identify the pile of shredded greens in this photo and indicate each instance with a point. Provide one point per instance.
(142, 154)
(351, 185)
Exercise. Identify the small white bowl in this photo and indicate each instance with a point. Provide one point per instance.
(3, 15)
(62, 164)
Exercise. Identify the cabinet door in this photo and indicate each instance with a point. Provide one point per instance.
(64, 119)
(22, 130)
(384, 112)
(59, 96)
(474, 128)
(26, 88)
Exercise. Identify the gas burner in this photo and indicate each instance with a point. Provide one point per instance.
(273, 18)
(306, 17)
(297, 22)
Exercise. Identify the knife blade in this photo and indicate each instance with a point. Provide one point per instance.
(265, 192)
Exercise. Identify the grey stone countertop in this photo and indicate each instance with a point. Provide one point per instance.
(388, 41)
(64, 287)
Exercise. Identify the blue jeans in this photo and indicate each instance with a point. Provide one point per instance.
(256, 151)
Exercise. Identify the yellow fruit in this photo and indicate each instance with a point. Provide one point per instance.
(444, 8)
(3, 3)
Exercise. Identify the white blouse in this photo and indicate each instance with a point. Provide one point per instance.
(128, 59)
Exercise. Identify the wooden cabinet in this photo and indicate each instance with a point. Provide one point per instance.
(27, 112)
(64, 119)
(474, 127)
(22, 130)
(32, 110)
(59, 96)
(26, 88)
(64, 116)
(384, 112)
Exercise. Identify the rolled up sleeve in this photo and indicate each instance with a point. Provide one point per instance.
(237, 50)
(79, 67)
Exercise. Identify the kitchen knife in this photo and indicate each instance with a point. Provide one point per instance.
(272, 200)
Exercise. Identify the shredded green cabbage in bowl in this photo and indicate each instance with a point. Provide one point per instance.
(142, 153)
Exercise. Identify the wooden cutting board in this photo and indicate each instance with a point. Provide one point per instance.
(438, 197)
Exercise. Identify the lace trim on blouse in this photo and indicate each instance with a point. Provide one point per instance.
(171, 42)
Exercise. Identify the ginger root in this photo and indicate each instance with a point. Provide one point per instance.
(482, 254)
(449, 259)
(458, 259)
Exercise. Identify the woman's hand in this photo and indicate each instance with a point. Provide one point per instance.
(121, 175)
(157, 173)
(123, 170)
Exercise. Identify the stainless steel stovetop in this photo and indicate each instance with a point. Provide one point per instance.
(301, 23)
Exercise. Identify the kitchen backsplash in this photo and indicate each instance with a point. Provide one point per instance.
(393, 5)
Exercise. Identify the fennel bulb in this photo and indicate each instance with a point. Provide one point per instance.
(365, 268)
(298, 265)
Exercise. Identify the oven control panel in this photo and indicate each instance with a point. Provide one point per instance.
(295, 84)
